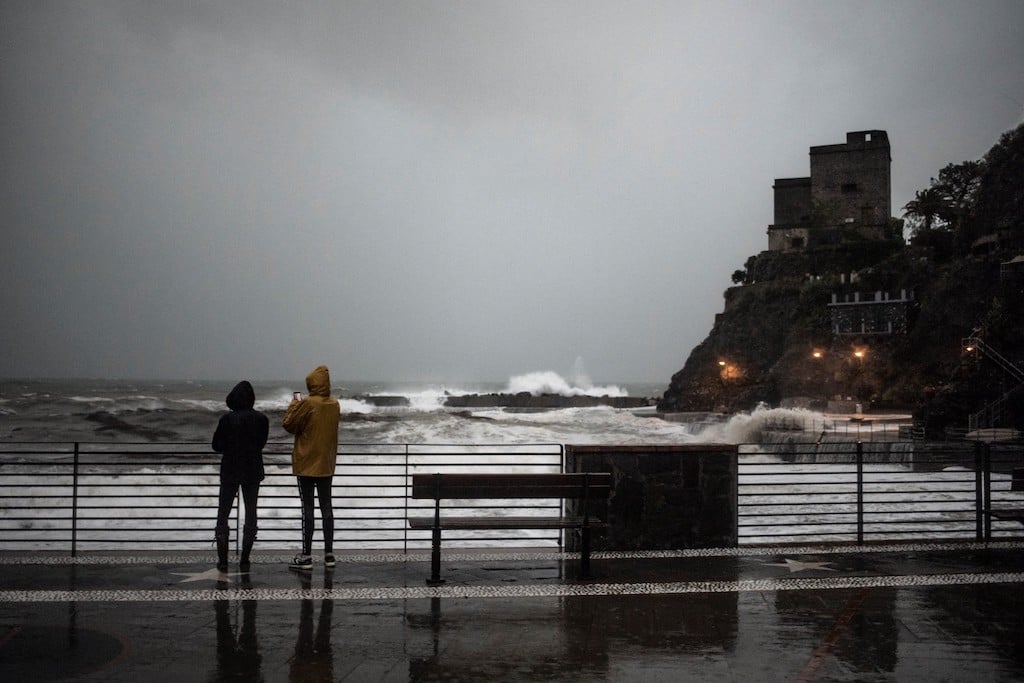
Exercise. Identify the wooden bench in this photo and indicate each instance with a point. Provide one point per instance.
(586, 487)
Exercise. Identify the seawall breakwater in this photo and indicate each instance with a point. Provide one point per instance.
(918, 456)
(523, 400)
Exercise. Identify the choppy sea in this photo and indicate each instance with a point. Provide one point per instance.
(106, 410)
(110, 413)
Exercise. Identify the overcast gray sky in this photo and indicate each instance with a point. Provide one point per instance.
(439, 191)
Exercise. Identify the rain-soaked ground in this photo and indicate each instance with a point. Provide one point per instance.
(936, 612)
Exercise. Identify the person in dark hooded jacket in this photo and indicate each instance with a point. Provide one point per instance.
(240, 437)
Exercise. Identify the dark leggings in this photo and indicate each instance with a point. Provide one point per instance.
(323, 494)
(250, 492)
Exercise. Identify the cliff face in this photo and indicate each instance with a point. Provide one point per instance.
(774, 339)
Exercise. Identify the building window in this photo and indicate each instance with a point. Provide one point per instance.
(849, 188)
(796, 242)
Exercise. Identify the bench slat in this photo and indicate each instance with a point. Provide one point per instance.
(1008, 513)
(491, 486)
(449, 492)
(481, 523)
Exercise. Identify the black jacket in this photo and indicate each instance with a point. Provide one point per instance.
(241, 436)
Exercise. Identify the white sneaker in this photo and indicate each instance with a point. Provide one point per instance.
(301, 563)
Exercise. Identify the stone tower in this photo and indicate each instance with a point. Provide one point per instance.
(847, 196)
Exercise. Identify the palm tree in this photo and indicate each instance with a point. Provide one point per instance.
(926, 206)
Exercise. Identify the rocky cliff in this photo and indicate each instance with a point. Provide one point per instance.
(774, 339)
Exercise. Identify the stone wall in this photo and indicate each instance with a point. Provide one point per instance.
(852, 181)
(849, 189)
(792, 201)
(664, 497)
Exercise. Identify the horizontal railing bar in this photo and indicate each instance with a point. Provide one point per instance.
(792, 534)
(872, 522)
(371, 485)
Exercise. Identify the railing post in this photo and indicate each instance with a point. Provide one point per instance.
(405, 524)
(860, 492)
(979, 493)
(74, 505)
(561, 503)
(986, 487)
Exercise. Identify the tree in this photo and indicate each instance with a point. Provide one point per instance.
(925, 210)
(1000, 195)
(958, 185)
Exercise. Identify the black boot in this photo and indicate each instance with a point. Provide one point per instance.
(248, 538)
(222, 535)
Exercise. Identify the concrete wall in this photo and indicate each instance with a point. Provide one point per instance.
(664, 497)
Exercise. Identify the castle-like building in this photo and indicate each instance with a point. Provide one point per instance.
(847, 196)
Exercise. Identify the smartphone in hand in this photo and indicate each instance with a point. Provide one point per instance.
(297, 396)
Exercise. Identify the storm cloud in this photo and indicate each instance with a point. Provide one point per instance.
(439, 191)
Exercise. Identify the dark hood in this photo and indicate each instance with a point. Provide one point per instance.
(242, 397)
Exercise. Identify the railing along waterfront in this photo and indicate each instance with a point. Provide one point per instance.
(863, 492)
(76, 497)
(96, 496)
(855, 428)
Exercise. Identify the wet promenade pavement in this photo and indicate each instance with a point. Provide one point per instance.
(936, 612)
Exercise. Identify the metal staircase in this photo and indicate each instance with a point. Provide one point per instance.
(989, 416)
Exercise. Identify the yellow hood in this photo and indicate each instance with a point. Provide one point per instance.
(318, 382)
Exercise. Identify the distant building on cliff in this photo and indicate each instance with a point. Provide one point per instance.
(847, 196)
(871, 313)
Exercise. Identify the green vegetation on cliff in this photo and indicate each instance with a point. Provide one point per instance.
(774, 338)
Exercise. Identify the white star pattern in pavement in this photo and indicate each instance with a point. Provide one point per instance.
(208, 575)
(798, 566)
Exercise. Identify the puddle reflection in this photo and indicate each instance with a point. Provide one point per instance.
(238, 655)
(313, 659)
(559, 638)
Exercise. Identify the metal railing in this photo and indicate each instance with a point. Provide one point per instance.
(90, 496)
(867, 492)
(85, 497)
(852, 429)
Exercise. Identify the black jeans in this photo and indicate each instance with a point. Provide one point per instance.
(250, 493)
(323, 494)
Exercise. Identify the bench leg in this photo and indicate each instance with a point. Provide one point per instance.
(435, 558)
(585, 553)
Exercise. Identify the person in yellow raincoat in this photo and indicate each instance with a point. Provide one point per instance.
(314, 422)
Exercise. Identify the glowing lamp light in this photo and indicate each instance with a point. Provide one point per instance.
(817, 354)
(722, 363)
